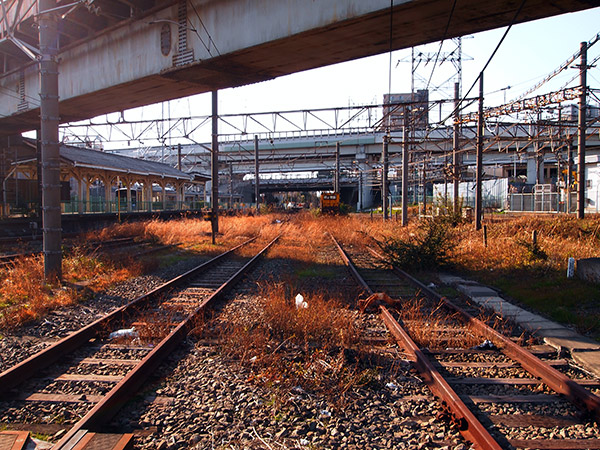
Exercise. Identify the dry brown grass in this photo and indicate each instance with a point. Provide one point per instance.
(558, 237)
(24, 296)
(286, 346)
(435, 328)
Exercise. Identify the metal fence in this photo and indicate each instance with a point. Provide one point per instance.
(494, 192)
(541, 202)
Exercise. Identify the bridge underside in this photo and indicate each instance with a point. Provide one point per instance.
(354, 31)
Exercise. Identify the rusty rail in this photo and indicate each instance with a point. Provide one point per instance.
(122, 392)
(460, 414)
(25, 369)
(554, 379)
(467, 423)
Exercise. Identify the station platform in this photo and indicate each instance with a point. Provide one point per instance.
(583, 350)
(25, 228)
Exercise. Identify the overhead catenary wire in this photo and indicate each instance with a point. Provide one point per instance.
(465, 96)
(441, 43)
(210, 39)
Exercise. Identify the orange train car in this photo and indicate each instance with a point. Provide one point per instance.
(330, 202)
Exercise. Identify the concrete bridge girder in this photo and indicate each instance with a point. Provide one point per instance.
(240, 42)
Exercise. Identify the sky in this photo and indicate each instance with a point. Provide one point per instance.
(529, 53)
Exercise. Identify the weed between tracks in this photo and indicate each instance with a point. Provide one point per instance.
(531, 273)
(289, 347)
(434, 328)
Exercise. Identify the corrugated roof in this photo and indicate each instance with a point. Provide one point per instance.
(94, 159)
(83, 157)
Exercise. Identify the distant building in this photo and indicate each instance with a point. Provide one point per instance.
(570, 113)
(417, 109)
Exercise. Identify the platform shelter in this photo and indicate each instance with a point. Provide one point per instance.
(95, 181)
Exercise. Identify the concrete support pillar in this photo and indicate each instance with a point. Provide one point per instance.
(51, 213)
(359, 203)
(163, 186)
(540, 169)
(531, 168)
(368, 179)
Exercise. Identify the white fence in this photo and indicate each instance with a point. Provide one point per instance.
(494, 192)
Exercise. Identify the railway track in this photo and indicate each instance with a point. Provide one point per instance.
(499, 395)
(80, 382)
(119, 246)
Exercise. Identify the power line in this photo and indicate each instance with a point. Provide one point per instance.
(210, 39)
(441, 43)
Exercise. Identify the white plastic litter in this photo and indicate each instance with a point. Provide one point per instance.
(391, 386)
(431, 286)
(124, 333)
(300, 303)
(325, 414)
(485, 345)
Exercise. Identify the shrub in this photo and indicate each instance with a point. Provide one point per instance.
(430, 247)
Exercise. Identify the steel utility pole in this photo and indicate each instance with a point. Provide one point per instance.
(214, 198)
(479, 175)
(581, 132)
(405, 174)
(569, 173)
(424, 181)
(336, 179)
(178, 156)
(256, 175)
(455, 145)
(384, 180)
(50, 119)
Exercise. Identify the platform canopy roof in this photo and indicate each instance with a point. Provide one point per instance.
(85, 158)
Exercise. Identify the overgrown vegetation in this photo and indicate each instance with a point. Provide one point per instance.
(533, 274)
(430, 247)
(24, 296)
(289, 346)
(428, 326)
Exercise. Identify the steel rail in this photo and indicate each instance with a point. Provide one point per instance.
(454, 407)
(27, 368)
(124, 390)
(554, 379)
(468, 425)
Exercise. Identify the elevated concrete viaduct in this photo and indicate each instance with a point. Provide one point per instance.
(116, 54)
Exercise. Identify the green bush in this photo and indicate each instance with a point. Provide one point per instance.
(430, 248)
